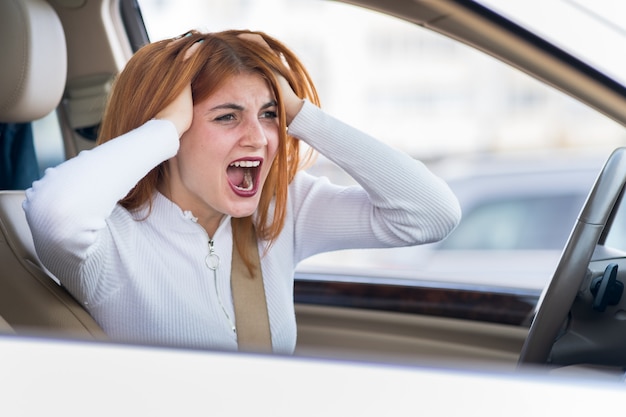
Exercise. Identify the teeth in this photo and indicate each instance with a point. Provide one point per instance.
(247, 183)
(246, 164)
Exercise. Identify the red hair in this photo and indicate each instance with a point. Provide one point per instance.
(157, 74)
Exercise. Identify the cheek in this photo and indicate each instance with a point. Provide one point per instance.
(195, 156)
(188, 151)
(197, 142)
(272, 143)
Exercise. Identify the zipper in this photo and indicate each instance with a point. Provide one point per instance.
(212, 262)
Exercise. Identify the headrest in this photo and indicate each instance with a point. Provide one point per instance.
(33, 60)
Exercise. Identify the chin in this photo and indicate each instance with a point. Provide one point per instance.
(240, 212)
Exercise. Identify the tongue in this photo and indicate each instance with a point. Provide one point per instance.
(235, 175)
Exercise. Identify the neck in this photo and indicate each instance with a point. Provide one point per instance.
(209, 221)
(210, 225)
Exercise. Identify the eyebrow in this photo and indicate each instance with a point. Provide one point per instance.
(233, 106)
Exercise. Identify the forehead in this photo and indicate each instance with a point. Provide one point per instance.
(246, 89)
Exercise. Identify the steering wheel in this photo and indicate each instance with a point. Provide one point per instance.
(556, 300)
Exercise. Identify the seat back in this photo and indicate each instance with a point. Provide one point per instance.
(5, 327)
(31, 299)
(34, 60)
(32, 80)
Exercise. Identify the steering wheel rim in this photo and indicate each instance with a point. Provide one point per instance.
(556, 300)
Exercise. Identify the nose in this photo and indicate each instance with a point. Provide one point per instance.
(254, 134)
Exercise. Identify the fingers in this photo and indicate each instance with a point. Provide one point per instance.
(292, 102)
(254, 37)
(191, 50)
(178, 39)
(180, 111)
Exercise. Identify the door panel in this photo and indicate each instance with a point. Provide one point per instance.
(358, 334)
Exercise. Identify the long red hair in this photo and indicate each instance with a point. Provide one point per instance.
(156, 75)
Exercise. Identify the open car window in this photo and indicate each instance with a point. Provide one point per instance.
(458, 110)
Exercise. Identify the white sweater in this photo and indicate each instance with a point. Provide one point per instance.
(146, 281)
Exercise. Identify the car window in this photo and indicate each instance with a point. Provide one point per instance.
(48, 141)
(27, 149)
(523, 223)
(418, 90)
(603, 18)
(427, 95)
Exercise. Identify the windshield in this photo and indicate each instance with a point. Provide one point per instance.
(569, 25)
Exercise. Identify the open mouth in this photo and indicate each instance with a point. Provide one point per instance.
(243, 175)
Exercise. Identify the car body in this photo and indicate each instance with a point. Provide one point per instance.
(112, 380)
(368, 342)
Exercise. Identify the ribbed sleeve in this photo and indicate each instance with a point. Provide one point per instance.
(68, 208)
(399, 202)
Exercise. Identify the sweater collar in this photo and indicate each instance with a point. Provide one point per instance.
(168, 214)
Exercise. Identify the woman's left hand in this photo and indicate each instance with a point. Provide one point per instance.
(292, 102)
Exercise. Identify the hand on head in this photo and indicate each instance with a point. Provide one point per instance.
(292, 102)
(180, 111)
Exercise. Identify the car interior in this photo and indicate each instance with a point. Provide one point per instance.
(33, 82)
(48, 67)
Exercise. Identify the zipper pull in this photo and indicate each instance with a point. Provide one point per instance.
(212, 260)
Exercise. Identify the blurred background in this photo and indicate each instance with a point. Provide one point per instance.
(520, 155)
(418, 90)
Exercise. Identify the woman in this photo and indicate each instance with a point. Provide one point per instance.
(198, 153)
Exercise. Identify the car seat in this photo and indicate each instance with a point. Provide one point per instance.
(32, 80)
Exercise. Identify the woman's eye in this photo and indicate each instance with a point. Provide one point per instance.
(270, 114)
(225, 118)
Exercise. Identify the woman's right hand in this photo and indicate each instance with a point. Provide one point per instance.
(180, 111)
